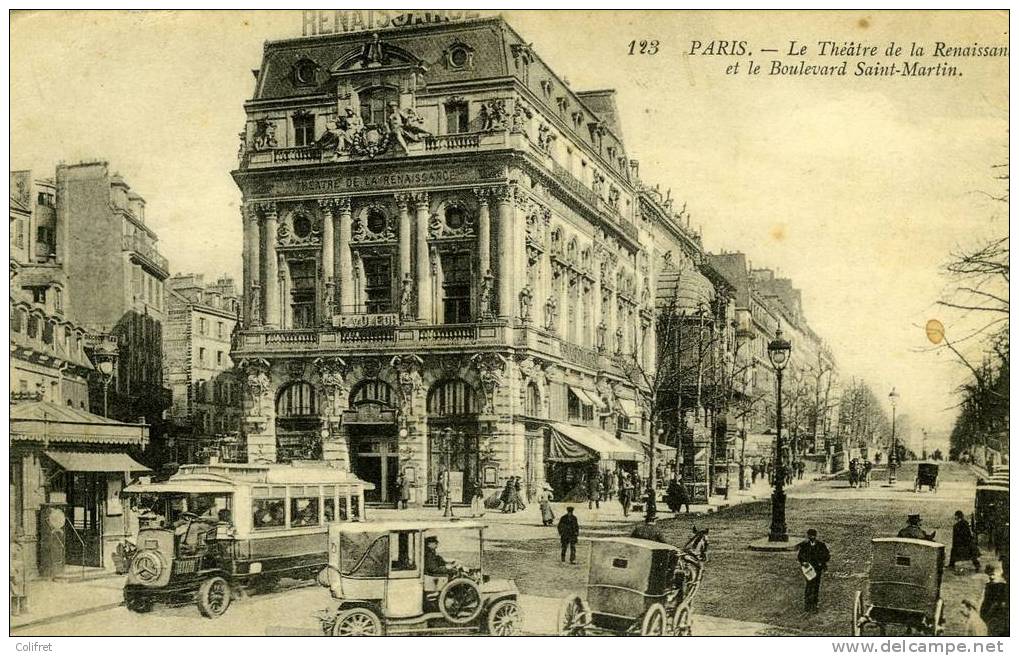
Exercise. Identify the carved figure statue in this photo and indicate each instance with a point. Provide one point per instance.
(619, 339)
(545, 138)
(406, 296)
(259, 384)
(405, 126)
(601, 330)
(256, 304)
(551, 309)
(526, 299)
(341, 135)
(265, 135)
(243, 146)
(487, 286)
(327, 301)
(521, 115)
(493, 115)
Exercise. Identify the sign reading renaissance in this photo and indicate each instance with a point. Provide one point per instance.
(340, 21)
(372, 181)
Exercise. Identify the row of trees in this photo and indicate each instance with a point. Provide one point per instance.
(977, 293)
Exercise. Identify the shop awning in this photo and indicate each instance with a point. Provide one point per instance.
(42, 421)
(580, 443)
(629, 408)
(641, 441)
(585, 397)
(74, 461)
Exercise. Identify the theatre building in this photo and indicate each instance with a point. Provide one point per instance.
(443, 259)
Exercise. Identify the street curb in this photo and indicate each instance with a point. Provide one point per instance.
(66, 616)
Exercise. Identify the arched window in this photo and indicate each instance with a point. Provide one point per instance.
(297, 400)
(532, 401)
(373, 104)
(371, 391)
(451, 397)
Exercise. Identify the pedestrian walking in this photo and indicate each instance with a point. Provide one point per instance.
(625, 494)
(518, 498)
(545, 504)
(964, 547)
(994, 607)
(507, 496)
(19, 574)
(441, 489)
(594, 492)
(403, 490)
(813, 556)
(973, 625)
(754, 469)
(676, 496)
(477, 496)
(569, 531)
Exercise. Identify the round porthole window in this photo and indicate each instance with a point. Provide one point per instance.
(302, 226)
(455, 217)
(304, 72)
(376, 221)
(458, 57)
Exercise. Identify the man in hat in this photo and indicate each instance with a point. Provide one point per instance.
(436, 565)
(569, 531)
(815, 553)
(964, 547)
(913, 530)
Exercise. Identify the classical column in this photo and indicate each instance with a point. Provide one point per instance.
(252, 269)
(403, 202)
(424, 275)
(596, 310)
(484, 232)
(271, 286)
(344, 259)
(504, 197)
(328, 261)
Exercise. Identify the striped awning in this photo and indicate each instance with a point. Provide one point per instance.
(583, 443)
(585, 397)
(42, 421)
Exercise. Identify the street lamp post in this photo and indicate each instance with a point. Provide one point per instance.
(106, 371)
(893, 458)
(778, 353)
(651, 509)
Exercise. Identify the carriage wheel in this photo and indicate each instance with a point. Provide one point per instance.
(574, 616)
(857, 612)
(681, 624)
(214, 597)
(504, 619)
(460, 601)
(938, 627)
(654, 621)
(357, 622)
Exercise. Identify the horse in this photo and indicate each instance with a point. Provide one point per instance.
(691, 562)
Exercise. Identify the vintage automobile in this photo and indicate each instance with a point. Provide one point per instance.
(904, 587)
(926, 474)
(637, 587)
(991, 512)
(389, 578)
(212, 530)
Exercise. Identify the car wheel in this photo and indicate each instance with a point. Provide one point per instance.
(214, 597)
(460, 601)
(858, 614)
(357, 622)
(681, 624)
(504, 618)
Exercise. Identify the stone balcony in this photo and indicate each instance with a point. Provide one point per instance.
(146, 254)
(421, 338)
(430, 145)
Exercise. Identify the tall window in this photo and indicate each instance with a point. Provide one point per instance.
(39, 295)
(201, 355)
(456, 287)
(219, 329)
(302, 293)
(378, 274)
(304, 129)
(456, 117)
(202, 326)
(373, 104)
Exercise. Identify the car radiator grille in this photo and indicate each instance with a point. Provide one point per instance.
(185, 565)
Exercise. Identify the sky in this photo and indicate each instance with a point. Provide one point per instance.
(857, 188)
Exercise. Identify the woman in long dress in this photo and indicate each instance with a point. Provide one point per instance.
(545, 503)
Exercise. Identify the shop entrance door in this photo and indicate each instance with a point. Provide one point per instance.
(375, 459)
(83, 532)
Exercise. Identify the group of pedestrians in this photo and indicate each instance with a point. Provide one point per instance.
(512, 498)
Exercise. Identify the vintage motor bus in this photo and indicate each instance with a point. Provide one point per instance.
(211, 530)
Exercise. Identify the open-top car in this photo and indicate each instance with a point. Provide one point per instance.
(211, 531)
(400, 577)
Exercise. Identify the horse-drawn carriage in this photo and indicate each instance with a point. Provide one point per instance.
(926, 474)
(991, 512)
(904, 587)
(637, 587)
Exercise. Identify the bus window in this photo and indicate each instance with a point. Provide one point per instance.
(304, 511)
(402, 552)
(268, 513)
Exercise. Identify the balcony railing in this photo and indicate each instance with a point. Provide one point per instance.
(146, 251)
(467, 332)
(567, 179)
(453, 141)
(579, 355)
(368, 335)
(292, 337)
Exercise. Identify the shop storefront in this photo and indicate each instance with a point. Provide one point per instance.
(576, 453)
(68, 468)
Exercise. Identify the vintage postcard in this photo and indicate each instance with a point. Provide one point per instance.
(509, 323)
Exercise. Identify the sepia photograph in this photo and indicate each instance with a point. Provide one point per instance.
(509, 322)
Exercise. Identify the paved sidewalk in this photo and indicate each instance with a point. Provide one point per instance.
(50, 600)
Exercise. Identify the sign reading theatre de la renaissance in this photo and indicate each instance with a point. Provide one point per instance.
(320, 21)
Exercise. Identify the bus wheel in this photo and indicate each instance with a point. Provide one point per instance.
(214, 597)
